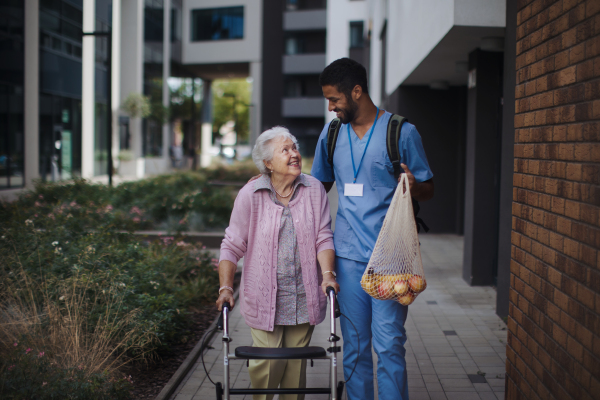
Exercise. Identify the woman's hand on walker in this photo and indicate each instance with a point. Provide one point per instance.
(329, 280)
(225, 296)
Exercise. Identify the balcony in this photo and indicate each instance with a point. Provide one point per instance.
(303, 63)
(304, 20)
(303, 107)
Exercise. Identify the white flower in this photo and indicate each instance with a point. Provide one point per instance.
(61, 298)
(55, 243)
(58, 250)
(28, 222)
(122, 284)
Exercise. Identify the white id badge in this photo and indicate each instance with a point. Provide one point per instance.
(353, 189)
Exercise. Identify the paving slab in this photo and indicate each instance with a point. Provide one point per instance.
(438, 362)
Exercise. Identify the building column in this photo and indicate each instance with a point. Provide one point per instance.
(166, 93)
(88, 94)
(256, 109)
(132, 71)
(116, 76)
(32, 92)
(207, 123)
(484, 122)
(507, 161)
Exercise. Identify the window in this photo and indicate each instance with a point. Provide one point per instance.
(60, 27)
(356, 34)
(218, 24)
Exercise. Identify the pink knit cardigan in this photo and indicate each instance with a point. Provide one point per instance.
(253, 232)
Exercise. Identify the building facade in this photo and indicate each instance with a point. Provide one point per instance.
(505, 97)
(56, 94)
(554, 318)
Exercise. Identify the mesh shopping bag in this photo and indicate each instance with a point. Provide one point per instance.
(395, 270)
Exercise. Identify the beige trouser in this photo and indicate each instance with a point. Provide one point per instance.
(269, 374)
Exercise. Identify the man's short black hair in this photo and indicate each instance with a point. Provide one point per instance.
(344, 74)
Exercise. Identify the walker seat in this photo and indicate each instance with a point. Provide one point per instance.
(266, 353)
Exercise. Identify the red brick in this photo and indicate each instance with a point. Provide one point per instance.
(560, 134)
(561, 60)
(540, 84)
(591, 7)
(596, 109)
(564, 77)
(595, 152)
(592, 47)
(585, 70)
(569, 38)
(582, 152)
(519, 91)
(555, 10)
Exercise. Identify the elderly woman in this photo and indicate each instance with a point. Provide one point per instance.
(281, 224)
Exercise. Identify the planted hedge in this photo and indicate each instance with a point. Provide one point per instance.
(79, 288)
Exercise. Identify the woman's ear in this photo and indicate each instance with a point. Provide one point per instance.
(267, 164)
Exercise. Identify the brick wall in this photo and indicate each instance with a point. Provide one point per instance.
(554, 316)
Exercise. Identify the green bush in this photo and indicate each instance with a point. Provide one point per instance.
(67, 253)
(177, 202)
(30, 374)
(174, 202)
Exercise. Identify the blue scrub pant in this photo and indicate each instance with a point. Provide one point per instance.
(380, 322)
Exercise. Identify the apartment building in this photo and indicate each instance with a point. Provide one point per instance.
(441, 64)
(504, 95)
(294, 48)
(58, 104)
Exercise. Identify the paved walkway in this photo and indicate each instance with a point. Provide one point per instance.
(456, 342)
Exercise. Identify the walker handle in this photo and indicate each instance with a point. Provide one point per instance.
(334, 299)
(220, 321)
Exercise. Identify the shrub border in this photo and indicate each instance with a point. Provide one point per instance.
(189, 362)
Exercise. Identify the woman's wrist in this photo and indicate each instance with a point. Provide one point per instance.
(332, 273)
(225, 287)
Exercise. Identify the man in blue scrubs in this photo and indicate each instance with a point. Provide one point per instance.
(365, 183)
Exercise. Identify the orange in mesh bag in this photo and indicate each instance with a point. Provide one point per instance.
(395, 270)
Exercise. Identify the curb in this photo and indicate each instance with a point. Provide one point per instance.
(188, 363)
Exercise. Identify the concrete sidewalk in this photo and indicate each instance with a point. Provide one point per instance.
(456, 343)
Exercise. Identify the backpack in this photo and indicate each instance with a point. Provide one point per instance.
(392, 141)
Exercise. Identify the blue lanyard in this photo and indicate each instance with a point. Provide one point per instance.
(368, 141)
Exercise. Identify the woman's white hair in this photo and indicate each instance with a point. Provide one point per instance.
(264, 148)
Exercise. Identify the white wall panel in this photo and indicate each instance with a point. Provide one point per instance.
(414, 28)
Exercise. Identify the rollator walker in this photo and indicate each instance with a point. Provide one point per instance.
(224, 392)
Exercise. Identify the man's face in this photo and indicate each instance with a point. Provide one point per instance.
(343, 106)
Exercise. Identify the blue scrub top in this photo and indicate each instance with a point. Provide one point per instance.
(359, 219)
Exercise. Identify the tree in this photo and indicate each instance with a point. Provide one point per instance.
(228, 94)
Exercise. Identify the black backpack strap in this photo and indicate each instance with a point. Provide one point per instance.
(392, 142)
(332, 134)
(392, 139)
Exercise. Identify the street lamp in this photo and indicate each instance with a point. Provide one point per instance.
(108, 35)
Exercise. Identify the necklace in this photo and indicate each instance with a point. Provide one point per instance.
(280, 195)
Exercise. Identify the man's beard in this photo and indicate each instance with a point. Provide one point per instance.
(348, 114)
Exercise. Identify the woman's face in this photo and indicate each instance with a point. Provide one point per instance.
(286, 158)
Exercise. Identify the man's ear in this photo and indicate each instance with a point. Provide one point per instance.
(357, 92)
